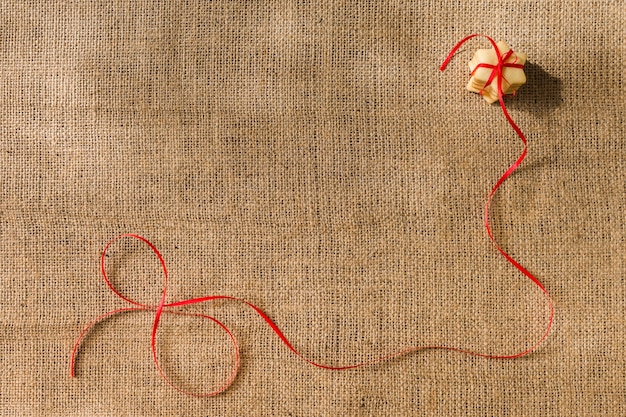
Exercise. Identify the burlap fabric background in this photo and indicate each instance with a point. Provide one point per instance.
(310, 158)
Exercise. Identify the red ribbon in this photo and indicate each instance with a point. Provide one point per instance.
(495, 68)
(172, 308)
(496, 72)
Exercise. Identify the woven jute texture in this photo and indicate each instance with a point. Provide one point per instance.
(310, 158)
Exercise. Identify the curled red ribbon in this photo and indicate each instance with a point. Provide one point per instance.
(496, 72)
(172, 308)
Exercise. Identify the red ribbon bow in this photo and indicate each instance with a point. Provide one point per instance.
(171, 308)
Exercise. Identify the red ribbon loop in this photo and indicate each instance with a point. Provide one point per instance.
(171, 308)
(159, 309)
